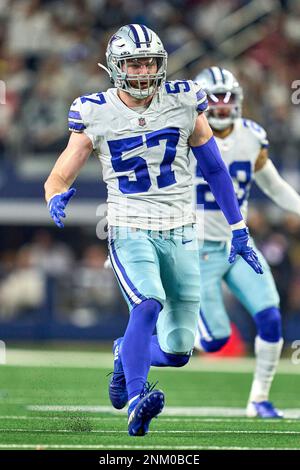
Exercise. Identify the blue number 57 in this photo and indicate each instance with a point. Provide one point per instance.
(138, 164)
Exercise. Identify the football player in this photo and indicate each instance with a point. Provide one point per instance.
(244, 147)
(142, 130)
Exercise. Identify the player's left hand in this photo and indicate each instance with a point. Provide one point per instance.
(240, 246)
(57, 204)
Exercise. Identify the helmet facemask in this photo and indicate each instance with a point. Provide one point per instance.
(223, 109)
(138, 44)
(225, 96)
(138, 85)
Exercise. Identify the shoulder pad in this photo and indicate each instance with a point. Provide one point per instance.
(75, 120)
(257, 130)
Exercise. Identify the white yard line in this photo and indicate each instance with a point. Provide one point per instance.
(40, 446)
(168, 411)
(113, 431)
(161, 418)
(100, 360)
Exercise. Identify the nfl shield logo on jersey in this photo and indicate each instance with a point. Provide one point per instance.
(142, 122)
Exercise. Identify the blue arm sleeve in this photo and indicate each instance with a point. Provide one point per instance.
(213, 169)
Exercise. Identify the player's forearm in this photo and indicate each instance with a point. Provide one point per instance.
(55, 184)
(273, 185)
(213, 168)
(68, 165)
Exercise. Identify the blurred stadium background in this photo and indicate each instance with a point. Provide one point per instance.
(53, 284)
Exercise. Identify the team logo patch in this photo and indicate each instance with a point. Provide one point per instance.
(114, 38)
(142, 122)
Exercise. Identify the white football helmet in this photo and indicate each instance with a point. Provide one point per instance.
(225, 96)
(130, 42)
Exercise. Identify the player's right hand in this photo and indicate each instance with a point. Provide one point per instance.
(240, 246)
(57, 204)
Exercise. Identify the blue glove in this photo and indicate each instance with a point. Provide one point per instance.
(240, 246)
(57, 204)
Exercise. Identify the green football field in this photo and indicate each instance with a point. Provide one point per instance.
(59, 400)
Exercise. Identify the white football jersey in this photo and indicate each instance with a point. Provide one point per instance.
(239, 151)
(144, 157)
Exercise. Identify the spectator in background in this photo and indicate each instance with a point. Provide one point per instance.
(23, 289)
(44, 120)
(17, 81)
(176, 33)
(90, 294)
(7, 115)
(29, 31)
(293, 306)
(61, 41)
(275, 250)
(258, 225)
(94, 284)
(112, 14)
(84, 292)
(18, 78)
(50, 256)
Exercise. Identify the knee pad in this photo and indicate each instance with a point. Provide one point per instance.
(180, 341)
(214, 344)
(268, 323)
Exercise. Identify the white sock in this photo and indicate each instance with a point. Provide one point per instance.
(267, 358)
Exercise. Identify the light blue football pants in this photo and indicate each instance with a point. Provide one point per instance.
(161, 265)
(255, 292)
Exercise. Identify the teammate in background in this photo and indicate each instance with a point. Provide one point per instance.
(244, 148)
(142, 130)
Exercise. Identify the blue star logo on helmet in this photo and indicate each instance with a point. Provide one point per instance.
(115, 37)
